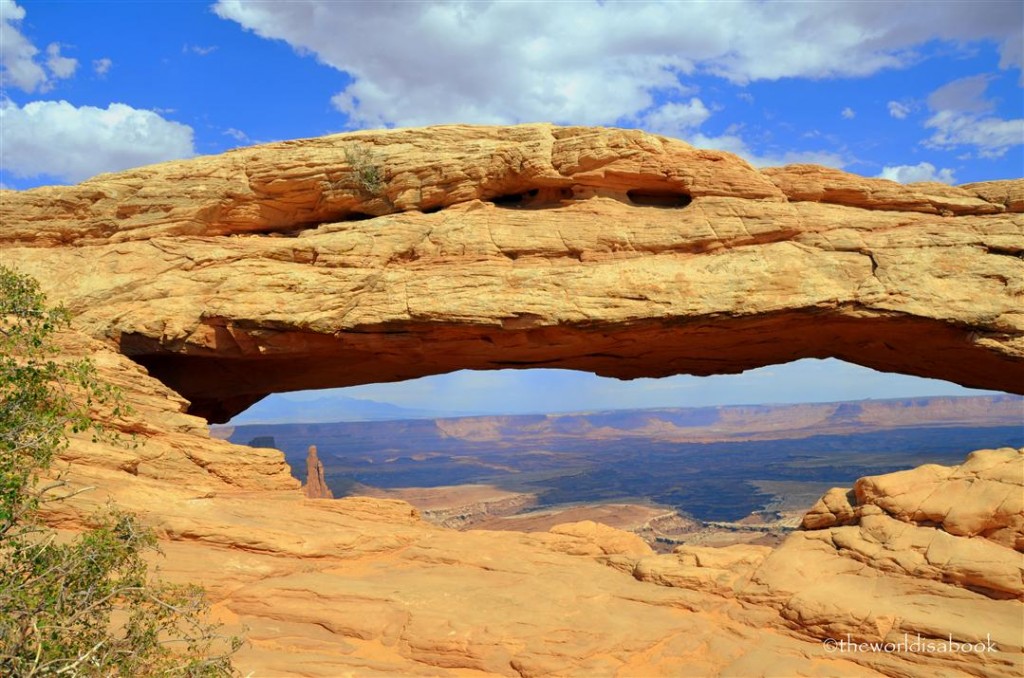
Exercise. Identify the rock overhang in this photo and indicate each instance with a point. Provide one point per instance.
(378, 256)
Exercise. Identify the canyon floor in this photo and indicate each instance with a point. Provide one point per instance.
(710, 476)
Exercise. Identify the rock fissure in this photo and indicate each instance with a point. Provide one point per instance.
(1014, 252)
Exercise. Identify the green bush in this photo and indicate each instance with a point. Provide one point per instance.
(86, 604)
(367, 168)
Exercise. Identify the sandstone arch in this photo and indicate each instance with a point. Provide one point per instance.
(277, 267)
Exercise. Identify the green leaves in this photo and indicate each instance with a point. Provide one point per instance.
(367, 168)
(80, 605)
(86, 607)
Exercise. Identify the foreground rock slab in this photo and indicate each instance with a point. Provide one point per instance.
(363, 586)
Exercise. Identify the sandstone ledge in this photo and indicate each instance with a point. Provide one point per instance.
(613, 251)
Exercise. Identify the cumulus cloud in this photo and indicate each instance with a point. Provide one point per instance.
(675, 118)
(898, 110)
(56, 139)
(102, 66)
(59, 66)
(21, 64)
(961, 118)
(18, 66)
(848, 113)
(923, 171)
(427, 62)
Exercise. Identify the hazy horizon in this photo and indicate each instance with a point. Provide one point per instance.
(548, 391)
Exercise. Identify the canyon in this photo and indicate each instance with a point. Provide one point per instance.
(200, 286)
(708, 475)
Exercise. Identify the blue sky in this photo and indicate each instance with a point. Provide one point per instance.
(904, 90)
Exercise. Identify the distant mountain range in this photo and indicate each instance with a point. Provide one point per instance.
(883, 413)
(692, 424)
(331, 409)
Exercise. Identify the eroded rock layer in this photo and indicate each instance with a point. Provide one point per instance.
(379, 256)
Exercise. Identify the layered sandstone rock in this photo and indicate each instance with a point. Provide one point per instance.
(608, 250)
(934, 552)
(386, 255)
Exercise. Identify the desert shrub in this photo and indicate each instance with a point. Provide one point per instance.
(367, 168)
(83, 604)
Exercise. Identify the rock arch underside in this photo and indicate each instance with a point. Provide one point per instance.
(202, 285)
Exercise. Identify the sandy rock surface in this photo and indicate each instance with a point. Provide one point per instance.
(363, 586)
(387, 255)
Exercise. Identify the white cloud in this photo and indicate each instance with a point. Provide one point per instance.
(960, 118)
(923, 171)
(966, 95)
(992, 136)
(237, 134)
(59, 66)
(898, 110)
(420, 63)
(57, 139)
(18, 66)
(673, 119)
(848, 113)
(198, 49)
(102, 66)
(733, 143)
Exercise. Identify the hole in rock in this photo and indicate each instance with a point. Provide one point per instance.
(515, 199)
(717, 460)
(357, 216)
(659, 197)
(535, 198)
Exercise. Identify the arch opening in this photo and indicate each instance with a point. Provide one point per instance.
(728, 459)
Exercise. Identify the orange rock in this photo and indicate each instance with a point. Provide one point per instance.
(613, 251)
(592, 249)
(984, 496)
(316, 486)
(833, 508)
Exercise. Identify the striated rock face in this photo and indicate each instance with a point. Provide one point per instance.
(316, 486)
(935, 552)
(983, 497)
(378, 256)
(619, 252)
